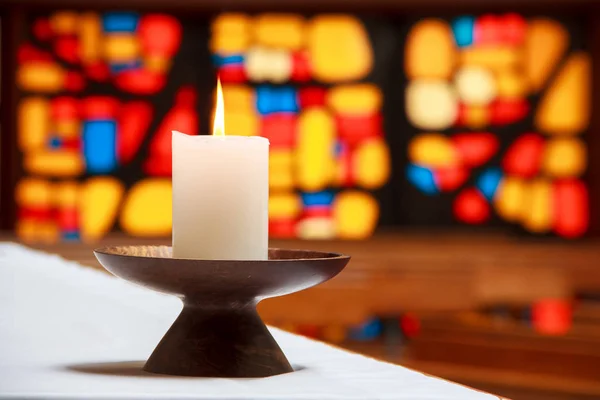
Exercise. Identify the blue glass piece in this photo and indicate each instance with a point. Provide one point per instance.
(231, 59)
(271, 99)
(324, 198)
(488, 182)
(464, 28)
(70, 235)
(122, 21)
(369, 330)
(116, 68)
(422, 178)
(55, 142)
(99, 146)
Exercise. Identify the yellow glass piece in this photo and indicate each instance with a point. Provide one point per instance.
(157, 63)
(334, 333)
(60, 164)
(431, 104)
(284, 205)
(316, 228)
(281, 169)
(564, 157)
(99, 202)
(231, 22)
(371, 164)
(241, 123)
(432, 150)
(67, 129)
(33, 192)
(66, 194)
(355, 214)
(356, 99)
(280, 30)
(339, 48)
(230, 33)
(314, 160)
(147, 209)
(546, 41)
(121, 47)
(430, 50)
(494, 58)
(477, 116)
(33, 123)
(475, 85)
(64, 22)
(239, 97)
(509, 201)
(511, 84)
(41, 77)
(90, 37)
(264, 64)
(565, 107)
(537, 216)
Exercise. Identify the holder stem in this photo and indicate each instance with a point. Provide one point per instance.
(230, 341)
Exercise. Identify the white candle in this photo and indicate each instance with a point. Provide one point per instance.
(220, 196)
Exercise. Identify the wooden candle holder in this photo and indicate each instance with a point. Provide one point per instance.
(219, 333)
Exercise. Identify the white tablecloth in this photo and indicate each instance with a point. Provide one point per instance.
(67, 331)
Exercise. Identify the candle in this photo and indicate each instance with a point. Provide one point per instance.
(220, 194)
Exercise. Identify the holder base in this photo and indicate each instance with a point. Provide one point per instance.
(227, 343)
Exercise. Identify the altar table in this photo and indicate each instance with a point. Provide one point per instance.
(71, 332)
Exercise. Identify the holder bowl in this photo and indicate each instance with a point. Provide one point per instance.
(219, 332)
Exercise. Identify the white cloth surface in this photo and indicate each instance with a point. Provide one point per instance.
(62, 324)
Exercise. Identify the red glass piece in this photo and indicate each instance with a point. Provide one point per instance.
(410, 325)
(98, 71)
(99, 107)
(311, 96)
(140, 81)
(571, 208)
(74, 81)
(282, 229)
(181, 117)
(68, 219)
(475, 148)
(71, 144)
(344, 157)
(232, 74)
(159, 34)
(134, 121)
(64, 108)
(513, 29)
(67, 48)
(471, 207)
(488, 30)
(27, 53)
(300, 67)
(311, 331)
(503, 112)
(317, 211)
(35, 213)
(42, 29)
(355, 128)
(450, 178)
(552, 316)
(523, 158)
(280, 129)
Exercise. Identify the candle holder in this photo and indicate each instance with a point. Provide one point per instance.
(219, 333)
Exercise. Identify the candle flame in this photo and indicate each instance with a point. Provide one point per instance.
(219, 121)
